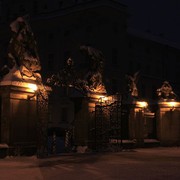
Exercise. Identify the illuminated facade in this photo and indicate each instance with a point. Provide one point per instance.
(61, 27)
(24, 98)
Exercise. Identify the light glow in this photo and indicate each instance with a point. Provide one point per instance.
(142, 104)
(103, 99)
(172, 104)
(33, 87)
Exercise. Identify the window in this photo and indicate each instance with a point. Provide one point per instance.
(154, 96)
(66, 33)
(66, 55)
(114, 86)
(147, 69)
(177, 57)
(89, 29)
(143, 90)
(115, 28)
(35, 6)
(50, 36)
(8, 14)
(130, 45)
(14, 15)
(138, 66)
(64, 114)
(0, 117)
(131, 67)
(50, 64)
(148, 50)
(114, 56)
(45, 6)
(125, 24)
(22, 9)
(60, 4)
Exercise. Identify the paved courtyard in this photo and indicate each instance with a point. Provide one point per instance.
(149, 163)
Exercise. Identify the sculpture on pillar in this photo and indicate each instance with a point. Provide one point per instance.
(93, 77)
(23, 59)
(132, 84)
(65, 77)
(166, 91)
(91, 81)
(23, 66)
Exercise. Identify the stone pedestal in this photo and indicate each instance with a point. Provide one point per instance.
(168, 123)
(84, 119)
(136, 124)
(18, 115)
(82, 124)
(95, 98)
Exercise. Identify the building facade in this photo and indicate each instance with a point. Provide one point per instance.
(62, 26)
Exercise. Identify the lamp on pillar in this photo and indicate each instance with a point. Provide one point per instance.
(172, 105)
(102, 100)
(33, 88)
(142, 104)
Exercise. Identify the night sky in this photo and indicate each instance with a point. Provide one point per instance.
(158, 17)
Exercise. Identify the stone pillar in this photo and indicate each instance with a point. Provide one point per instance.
(81, 123)
(18, 115)
(168, 123)
(136, 124)
(42, 124)
(5, 115)
(94, 98)
(84, 119)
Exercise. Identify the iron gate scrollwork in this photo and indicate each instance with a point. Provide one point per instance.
(110, 126)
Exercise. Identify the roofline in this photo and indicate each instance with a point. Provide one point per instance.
(79, 7)
(151, 37)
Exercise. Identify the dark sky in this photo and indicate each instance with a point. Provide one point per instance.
(160, 17)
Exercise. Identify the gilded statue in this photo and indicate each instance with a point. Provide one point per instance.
(166, 91)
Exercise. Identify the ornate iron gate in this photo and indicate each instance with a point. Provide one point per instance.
(110, 126)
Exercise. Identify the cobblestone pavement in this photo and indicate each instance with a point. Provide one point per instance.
(148, 163)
